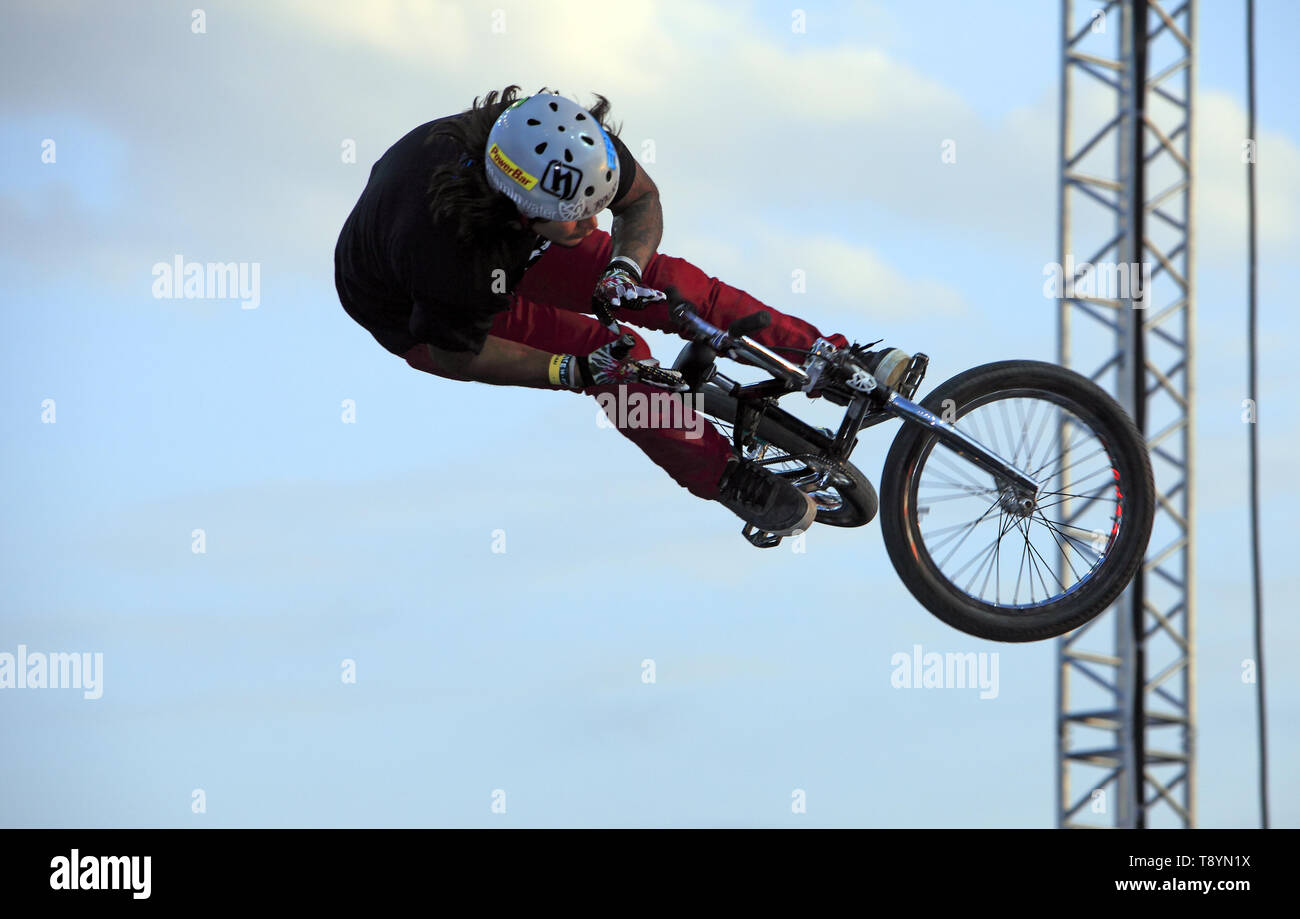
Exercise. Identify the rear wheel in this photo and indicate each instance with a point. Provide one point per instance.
(976, 555)
(844, 496)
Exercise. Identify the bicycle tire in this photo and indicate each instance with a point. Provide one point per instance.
(1125, 448)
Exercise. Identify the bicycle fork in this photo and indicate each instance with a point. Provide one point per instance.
(1020, 489)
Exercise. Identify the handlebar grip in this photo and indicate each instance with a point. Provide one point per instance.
(751, 323)
(622, 346)
(689, 321)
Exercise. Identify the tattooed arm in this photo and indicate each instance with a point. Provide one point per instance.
(638, 220)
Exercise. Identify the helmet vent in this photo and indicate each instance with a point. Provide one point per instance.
(540, 148)
(568, 155)
(559, 127)
(554, 107)
(609, 174)
(588, 191)
(580, 117)
(586, 140)
(533, 121)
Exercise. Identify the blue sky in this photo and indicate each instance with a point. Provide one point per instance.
(372, 541)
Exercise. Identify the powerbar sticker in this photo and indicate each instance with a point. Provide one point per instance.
(504, 163)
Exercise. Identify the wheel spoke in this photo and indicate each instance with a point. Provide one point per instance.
(1006, 426)
(960, 473)
(1026, 422)
(1035, 433)
(993, 556)
(1021, 572)
(1034, 549)
(1064, 552)
(988, 548)
(968, 532)
(931, 499)
(953, 531)
(969, 489)
(1037, 472)
(1033, 450)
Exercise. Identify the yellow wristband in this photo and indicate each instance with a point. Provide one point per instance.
(553, 369)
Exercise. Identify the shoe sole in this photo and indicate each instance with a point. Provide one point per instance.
(804, 522)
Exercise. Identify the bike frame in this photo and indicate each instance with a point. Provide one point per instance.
(872, 404)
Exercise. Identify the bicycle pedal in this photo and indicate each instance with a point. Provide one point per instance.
(760, 538)
(913, 375)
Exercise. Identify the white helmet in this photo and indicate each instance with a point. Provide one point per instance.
(552, 158)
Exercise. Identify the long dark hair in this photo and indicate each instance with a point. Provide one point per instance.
(459, 193)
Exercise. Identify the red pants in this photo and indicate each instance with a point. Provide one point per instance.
(548, 314)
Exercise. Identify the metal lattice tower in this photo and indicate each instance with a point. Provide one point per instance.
(1126, 721)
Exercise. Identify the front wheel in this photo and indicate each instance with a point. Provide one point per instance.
(971, 552)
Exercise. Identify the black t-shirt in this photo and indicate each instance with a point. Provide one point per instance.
(407, 279)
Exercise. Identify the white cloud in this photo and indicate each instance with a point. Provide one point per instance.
(421, 31)
(1220, 178)
(850, 279)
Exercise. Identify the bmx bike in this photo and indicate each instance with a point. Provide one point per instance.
(1019, 455)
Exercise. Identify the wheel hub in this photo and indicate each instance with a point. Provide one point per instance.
(1014, 501)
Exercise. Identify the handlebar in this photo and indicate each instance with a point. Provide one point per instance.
(736, 344)
(751, 323)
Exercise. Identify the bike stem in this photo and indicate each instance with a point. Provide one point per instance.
(962, 445)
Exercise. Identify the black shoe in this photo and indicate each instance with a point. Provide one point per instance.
(888, 365)
(765, 500)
